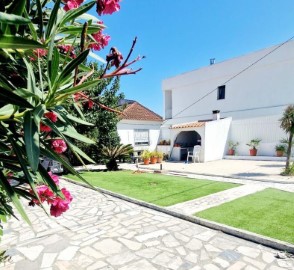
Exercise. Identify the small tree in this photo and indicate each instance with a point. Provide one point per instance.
(287, 124)
(113, 153)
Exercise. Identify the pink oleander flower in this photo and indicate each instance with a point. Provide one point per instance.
(38, 53)
(54, 177)
(72, 4)
(45, 194)
(67, 49)
(60, 205)
(107, 6)
(101, 41)
(59, 146)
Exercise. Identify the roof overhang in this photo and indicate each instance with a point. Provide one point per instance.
(188, 125)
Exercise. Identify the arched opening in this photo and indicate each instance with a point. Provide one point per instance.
(186, 140)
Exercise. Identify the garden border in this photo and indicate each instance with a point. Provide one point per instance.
(253, 237)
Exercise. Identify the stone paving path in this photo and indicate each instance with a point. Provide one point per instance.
(101, 232)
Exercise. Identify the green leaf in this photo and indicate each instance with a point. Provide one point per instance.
(81, 153)
(70, 67)
(32, 140)
(38, 113)
(13, 42)
(7, 109)
(68, 118)
(72, 133)
(11, 97)
(74, 13)
(31, 26)
(12, 19)
(40, 18)
(23, 163)
(72, 29)
(78, 88)
(13, 196)
(31, 81)
(52, 19)
(53, 66)
(82, 67)
(79, 120)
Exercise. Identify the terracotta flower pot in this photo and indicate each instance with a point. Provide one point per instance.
(146, 161)
(153, 160)
(279, 153)
(231, 152)
(159, 160)
(253, 152)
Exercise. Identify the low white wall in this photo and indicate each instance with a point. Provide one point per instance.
(265, 128)
(216, 135)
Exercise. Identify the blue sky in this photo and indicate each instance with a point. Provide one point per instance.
(180, 36)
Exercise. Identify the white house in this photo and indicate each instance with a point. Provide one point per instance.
(139, 126)
(247, 94)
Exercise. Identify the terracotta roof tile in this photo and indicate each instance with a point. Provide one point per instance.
(136, 111)
(188, 125)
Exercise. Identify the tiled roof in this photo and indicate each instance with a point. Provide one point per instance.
(136, 111)
(188, 125)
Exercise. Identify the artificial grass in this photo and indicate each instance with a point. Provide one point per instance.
(159, 189)
(269, 212)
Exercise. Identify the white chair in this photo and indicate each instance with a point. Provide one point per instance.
(195, 154)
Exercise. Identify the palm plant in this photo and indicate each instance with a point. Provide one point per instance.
(111, 154)
(287, 124)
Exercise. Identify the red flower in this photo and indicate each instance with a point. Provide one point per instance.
(44, 128)
(44, 193)
(38, 53)
(60, 205)
(101, 41)
(114, 57)
(59, 146)
(72, 4)
(52, 116)
(54, 177)
(107, 6)
(64, 49)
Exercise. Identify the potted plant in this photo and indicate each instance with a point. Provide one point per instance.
(232, 147)
(280, 150)
(146, 157)
(153, 157)
(159, 157)
(253, 144)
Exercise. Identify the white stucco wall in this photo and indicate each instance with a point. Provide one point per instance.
(216, 136)
(262, 90)
(125, 129)
(266, 128)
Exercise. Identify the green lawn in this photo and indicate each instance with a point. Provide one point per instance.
(269, 212)
(154, 188)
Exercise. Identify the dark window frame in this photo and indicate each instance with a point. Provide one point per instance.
(221, 92)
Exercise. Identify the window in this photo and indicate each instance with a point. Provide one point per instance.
(141, 137)
(221, 92)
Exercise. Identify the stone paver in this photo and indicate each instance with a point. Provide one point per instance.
(105, 238)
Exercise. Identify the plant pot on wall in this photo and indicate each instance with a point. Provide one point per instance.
(231, 152)
(153, 160)
(279, 153)
(253, 152)
(146, 161)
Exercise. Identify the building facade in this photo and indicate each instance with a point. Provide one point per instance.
(139, 126)
(247, 94)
